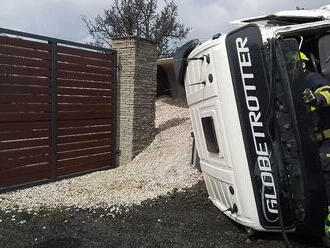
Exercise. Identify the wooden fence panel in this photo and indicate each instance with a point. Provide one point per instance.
(57, 115)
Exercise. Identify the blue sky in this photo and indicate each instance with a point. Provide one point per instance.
(62, 18)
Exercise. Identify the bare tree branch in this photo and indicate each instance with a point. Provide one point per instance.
(138, 18)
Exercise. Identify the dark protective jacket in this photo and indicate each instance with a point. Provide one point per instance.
(321, 89)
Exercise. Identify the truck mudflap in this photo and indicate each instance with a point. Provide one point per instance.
(251, 86)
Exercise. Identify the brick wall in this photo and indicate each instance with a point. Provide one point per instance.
(137, 85)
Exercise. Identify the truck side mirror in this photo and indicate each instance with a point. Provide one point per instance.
(180, 58)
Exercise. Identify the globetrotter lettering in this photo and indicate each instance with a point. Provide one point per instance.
(269, 197)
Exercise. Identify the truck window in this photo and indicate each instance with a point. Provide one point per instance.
(295, 71)
(292, 59)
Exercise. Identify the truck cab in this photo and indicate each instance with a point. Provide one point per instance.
(254, 134)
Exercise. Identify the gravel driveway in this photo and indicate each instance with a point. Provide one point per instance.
(157, 200)
(180, 219)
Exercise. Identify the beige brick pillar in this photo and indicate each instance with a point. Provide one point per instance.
(136, 94)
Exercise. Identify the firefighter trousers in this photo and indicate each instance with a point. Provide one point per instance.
(325, 163)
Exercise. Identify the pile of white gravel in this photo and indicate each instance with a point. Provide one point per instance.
(160, 168)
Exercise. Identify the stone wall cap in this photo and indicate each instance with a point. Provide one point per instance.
(134, 37)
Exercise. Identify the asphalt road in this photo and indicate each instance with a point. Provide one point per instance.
(178, 220)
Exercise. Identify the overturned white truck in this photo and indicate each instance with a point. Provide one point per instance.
(254, 134)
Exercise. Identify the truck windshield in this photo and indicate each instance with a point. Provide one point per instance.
(294, 67)
(291, 57)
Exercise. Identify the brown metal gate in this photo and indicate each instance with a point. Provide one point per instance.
(57, 115)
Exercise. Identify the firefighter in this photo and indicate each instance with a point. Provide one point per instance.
(317, 96)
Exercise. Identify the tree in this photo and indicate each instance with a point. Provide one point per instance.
(138, 18)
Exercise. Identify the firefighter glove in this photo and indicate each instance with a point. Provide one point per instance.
(309, 97)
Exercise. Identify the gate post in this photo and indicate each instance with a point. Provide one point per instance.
(136, 95)
(54, 111)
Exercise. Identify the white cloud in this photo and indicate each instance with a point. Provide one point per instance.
(208, 17)
(62, 18)
(56, 18)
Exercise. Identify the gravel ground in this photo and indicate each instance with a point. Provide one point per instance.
(157, 200)
(179, 219)
(154, 172)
